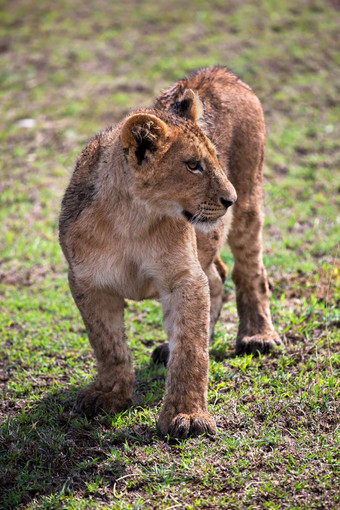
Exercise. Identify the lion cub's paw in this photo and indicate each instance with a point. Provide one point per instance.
(161, 354)
(262, 343)
(183, 426)
(91, 401)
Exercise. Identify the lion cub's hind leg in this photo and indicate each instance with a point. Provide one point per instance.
(221, 268)
(103, 315)
(216, 273)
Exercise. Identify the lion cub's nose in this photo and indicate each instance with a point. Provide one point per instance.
(227, 203)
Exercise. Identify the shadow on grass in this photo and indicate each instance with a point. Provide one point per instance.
(49, 449)
(220, 354)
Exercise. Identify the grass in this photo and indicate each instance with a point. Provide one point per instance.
(73, 69)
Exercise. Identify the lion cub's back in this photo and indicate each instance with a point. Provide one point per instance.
(213, 82)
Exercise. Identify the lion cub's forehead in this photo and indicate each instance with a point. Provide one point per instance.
(194, 142)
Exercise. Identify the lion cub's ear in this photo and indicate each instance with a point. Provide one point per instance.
(190, 106)
(143, 132)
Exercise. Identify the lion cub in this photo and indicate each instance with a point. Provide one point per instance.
(150, 203)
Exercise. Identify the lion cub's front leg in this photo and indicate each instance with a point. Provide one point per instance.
(186, 320)
(103, 315)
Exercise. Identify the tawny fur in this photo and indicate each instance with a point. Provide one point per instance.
(140, 219)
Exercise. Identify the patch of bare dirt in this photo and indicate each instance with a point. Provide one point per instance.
(26, 277)
(323, 285)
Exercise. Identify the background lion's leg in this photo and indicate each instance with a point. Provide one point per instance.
(256, 332)
(103, 315)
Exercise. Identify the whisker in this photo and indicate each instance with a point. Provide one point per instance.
(196, 218)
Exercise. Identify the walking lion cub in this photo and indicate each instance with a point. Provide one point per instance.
(150, 203)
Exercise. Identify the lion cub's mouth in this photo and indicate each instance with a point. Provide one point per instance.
(197, 218)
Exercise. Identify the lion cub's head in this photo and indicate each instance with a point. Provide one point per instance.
(174, 165)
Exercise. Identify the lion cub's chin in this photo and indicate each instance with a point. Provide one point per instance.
(207, 226)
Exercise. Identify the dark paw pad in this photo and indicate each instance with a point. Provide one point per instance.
(161, 354)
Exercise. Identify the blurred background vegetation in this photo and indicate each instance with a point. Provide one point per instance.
(70, 69)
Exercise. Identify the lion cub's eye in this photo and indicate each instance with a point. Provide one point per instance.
(194, 166)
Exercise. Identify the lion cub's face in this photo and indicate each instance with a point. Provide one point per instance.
(175, 167)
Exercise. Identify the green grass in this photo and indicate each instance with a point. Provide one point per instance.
(74, 68)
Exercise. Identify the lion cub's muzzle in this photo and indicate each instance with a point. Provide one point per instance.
(214, 208)
(212, 211)
(209, 211)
